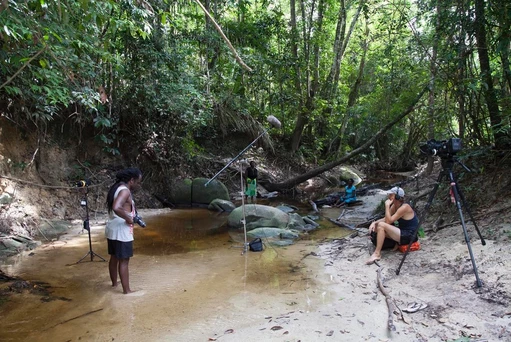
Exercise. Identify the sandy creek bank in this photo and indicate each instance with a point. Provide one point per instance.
(198, 287)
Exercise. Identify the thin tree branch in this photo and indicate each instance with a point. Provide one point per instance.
(23, 67)
(238, 58)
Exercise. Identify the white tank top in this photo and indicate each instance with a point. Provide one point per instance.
(116, 227)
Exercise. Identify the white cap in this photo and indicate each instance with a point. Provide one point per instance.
(396, 191)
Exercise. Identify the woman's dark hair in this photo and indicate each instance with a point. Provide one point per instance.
(123, 176)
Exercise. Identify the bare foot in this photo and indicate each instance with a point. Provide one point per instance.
(372, 259)
(135, 293)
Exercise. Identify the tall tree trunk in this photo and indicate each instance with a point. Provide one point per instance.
(461, 74)
(303, 115)
(353, 95)
(294, 48)
(431, 98)
(504, 18)
(338, 43)
(488, 88)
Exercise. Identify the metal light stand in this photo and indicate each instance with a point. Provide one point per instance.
(447, 166)
(244, 221)
(86, 226)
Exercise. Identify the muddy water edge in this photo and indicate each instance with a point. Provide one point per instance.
(189, 276)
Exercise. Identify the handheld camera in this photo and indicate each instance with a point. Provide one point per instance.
(138, 220)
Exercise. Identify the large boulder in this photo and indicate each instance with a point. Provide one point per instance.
(181, 192)
(295, 221)
(347, 173)
(188, 192)
(262, 232)
(205, 194)
(267, 233)
(257, 215)
(221, 205)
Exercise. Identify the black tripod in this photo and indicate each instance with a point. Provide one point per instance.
(447, 166)
(86, 226)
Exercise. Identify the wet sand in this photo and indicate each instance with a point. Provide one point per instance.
(194, 288)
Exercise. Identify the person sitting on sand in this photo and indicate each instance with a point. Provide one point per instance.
(395, 210)
(350, 194)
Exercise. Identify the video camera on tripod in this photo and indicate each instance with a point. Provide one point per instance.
(441, 148)
(446, 149)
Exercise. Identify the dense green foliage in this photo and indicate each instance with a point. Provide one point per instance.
(333, 72)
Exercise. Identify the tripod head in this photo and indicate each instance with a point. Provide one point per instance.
(448, 161)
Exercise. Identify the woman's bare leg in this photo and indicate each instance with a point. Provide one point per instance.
(124, 274)
(112, 269)
(383, 230)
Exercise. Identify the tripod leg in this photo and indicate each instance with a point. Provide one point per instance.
(86, 226)
(421, 219)
(454, 188)
(86, 255)
(465, 205)
(99, 256)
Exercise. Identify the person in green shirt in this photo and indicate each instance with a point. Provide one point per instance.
(251, 179)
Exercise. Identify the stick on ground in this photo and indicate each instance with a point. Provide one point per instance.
(71, 319)
(388, 298)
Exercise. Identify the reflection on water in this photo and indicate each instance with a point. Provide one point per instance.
(181, 231)
(188, 230)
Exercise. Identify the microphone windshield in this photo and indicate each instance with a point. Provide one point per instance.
(274, 122)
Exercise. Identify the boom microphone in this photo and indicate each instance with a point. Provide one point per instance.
(274, 122)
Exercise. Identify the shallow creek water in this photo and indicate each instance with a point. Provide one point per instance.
(190, 277)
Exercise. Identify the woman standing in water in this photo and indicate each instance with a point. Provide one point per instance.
(119, 228)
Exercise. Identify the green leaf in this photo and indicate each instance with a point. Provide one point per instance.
(102, 122)
(13, 90)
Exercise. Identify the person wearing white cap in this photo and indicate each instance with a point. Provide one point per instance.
(395, 210)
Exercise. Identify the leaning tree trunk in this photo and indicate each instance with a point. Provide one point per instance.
(290, 183)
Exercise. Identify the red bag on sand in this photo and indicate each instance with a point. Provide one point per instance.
(414, 247)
